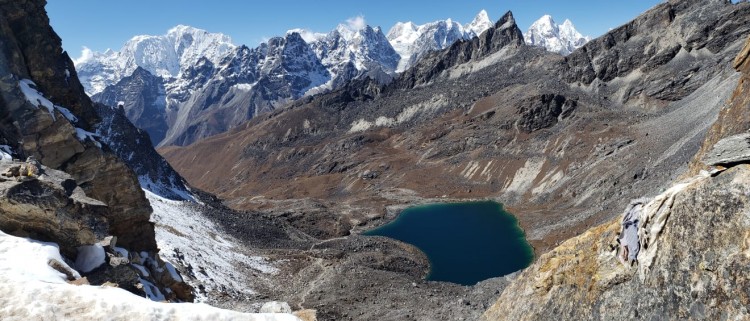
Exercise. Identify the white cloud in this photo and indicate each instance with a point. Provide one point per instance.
(356, 23)
(86, 54)
(308, 35)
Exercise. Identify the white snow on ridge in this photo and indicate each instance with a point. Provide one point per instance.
(163, 56)
(34, 97)
(187, 238)
(413, 41)
(31, 290)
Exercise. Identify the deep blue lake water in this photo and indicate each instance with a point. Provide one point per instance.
(465, 242)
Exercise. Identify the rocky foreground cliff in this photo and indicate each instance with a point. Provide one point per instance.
(61, 179)
(691, 256)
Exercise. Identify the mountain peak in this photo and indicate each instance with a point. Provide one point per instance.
(562, 39)
(480, 23)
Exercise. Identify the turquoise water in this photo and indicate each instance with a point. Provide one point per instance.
(465, 242)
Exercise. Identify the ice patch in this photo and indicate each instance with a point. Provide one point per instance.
(89, 257)
(6, 153)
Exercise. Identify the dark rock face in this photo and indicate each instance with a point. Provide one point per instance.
(698, 28)
(133, 146)
(143, 96)
(543, 111)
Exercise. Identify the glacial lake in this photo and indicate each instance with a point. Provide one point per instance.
(465, 242)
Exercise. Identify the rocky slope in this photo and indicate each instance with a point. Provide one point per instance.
(562, 39)
(693, 263)
(691, 256)
(552, 137)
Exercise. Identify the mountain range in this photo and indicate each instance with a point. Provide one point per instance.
(626, 163)
(190, 84)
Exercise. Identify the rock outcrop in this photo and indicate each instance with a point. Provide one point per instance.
(504, 34)
(49, 207)
(695, 28)
(31, 50)
(81, 191)
(733, 117)
(693, 265)
(143, 98)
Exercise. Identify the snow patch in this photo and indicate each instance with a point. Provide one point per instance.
(25, 260)
(6, 153)
(34, 97)
(31, 290)
(187, 238)
(89, 257)
(84, 135)
(67, 114)
(244, 87)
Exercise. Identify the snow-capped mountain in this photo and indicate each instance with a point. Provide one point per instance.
(480, 23)
(190, 84)
(413, 41)
(190, 96)
(562, 39)
(162, 56)
(350, 52)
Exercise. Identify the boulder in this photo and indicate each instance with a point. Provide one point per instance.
(275, 307)
(728, 151)
(50, 208)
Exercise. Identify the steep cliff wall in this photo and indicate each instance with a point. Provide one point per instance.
(32, 51)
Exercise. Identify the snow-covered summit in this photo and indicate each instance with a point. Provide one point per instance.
(480, 23)
(413, 41)
(163, 56)
(562, 39)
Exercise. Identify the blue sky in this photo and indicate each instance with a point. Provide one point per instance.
(102, 24)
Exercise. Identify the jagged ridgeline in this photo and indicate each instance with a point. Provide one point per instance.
(565, 142)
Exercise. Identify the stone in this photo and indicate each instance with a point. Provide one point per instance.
(62, 268)
(275, 307)
(730, 150)
(43, 209)
(115, 260)
(80, 281)
(742, 61)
